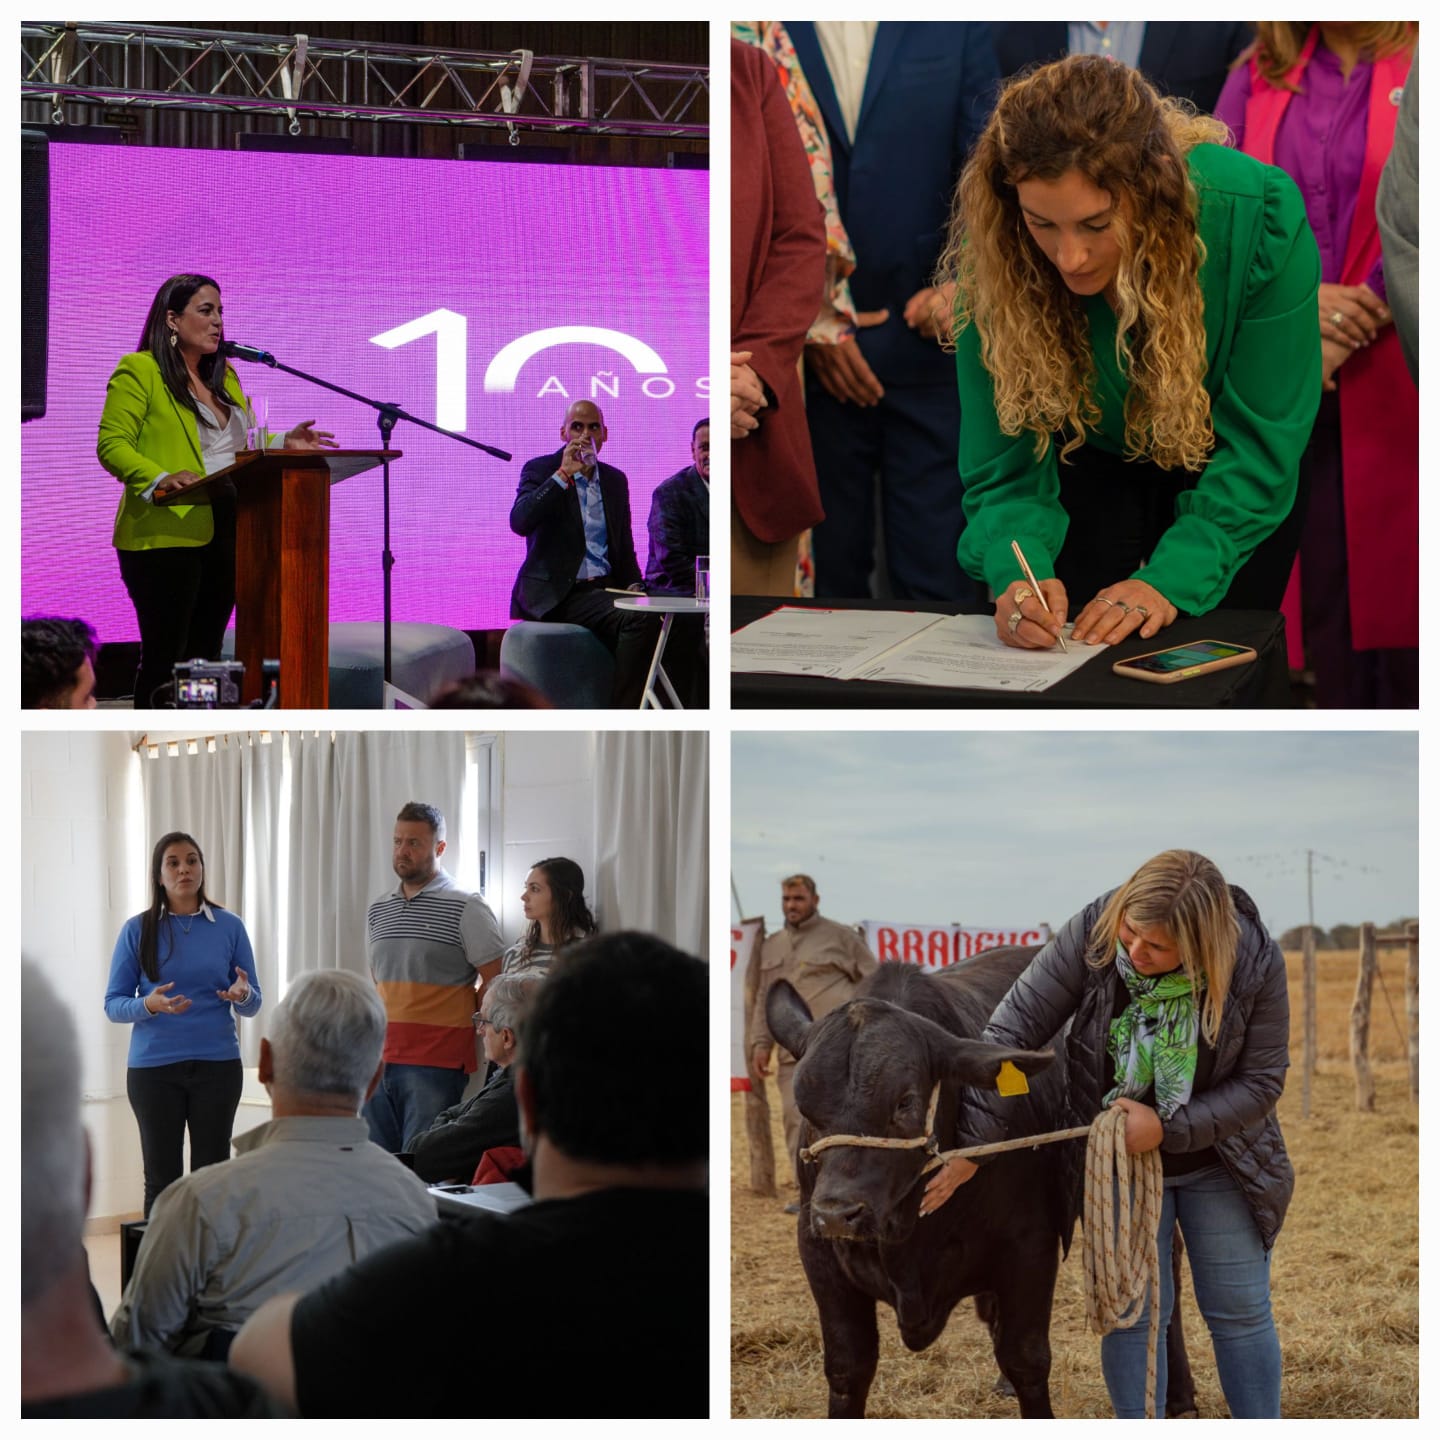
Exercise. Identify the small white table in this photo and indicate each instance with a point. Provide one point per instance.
(669, 606)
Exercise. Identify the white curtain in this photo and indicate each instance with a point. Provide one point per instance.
(227, 799)
(652, 835)
(344, 796)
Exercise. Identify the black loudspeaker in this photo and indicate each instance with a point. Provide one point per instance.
(34, 271)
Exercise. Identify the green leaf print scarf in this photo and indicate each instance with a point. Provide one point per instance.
(1155, 1039)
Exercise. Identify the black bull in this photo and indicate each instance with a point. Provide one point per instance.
(868, 1068)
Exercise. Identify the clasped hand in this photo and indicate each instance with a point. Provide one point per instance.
(747, 395)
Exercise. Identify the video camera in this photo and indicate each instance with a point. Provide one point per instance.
(216, 684)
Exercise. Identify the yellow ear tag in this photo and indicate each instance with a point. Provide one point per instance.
(1011, 1081)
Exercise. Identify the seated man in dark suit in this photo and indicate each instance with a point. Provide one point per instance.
(679, 532)
(574, 513)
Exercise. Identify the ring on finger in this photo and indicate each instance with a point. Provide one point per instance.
(1141, 610)
(1336, 318)
(1122, 606)
(1103, 600)
(1023, 594)
(1014, 621)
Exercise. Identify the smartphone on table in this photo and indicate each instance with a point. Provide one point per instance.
(1184, 662)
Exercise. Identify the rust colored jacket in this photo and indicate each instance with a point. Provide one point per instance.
(777, 282)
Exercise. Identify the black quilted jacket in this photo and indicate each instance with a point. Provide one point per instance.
(1235, 1112)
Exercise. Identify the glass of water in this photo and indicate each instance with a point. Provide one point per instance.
(702, 577)
(257, 415)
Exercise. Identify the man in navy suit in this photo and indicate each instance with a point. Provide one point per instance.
(903, 101)
(574, 513)
(1185, 58)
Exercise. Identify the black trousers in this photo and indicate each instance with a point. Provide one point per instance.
(199, 1094)
(1120, 508)
(627, 634)
(1344, 676)
(183, 596)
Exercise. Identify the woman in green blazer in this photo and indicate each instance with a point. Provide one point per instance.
(175, 412)
(1137, 296)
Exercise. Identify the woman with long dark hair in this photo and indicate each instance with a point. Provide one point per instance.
(181, 971)
(175, 413)
(1138, 361)
(1179, 1014)
(554, 905)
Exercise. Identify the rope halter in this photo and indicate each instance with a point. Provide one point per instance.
(929, 1141)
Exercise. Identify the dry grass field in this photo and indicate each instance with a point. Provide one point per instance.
(1346, 1269)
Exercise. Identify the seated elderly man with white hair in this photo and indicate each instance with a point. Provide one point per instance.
(306, 1195)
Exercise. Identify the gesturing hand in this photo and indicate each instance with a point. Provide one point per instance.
(239, 991)
(1035, 630)
(305, 437)
(945, 1182)
(1130, 607)
(157, 1002)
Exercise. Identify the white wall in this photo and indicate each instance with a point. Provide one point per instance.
(548, 810)
(81, 875)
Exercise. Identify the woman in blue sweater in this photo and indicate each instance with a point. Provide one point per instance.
(184, 1054)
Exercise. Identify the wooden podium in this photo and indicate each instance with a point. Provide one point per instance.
(282, 564)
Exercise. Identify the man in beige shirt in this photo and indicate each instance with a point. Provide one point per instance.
(825, 962)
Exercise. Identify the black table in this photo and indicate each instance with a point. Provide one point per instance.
(1265, 684)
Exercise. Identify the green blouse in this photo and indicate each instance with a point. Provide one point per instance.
(1262, 341)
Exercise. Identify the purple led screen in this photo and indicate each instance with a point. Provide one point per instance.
(480, 296)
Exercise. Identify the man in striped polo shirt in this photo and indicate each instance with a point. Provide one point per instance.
(427, 939)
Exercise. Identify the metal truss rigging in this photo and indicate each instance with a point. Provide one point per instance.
(301, 77)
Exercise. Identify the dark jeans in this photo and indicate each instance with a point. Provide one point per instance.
(407, 1099)
(627, 634)
(183, 596)
(200, 1094)
(1118, 511)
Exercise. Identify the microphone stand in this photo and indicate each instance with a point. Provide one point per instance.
(386, 415)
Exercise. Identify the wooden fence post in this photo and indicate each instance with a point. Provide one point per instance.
(1309, 1022)
(759, 1141)
(1412, 1004)
(1360, 1021)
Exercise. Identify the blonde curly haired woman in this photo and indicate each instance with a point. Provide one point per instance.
(1138, 364)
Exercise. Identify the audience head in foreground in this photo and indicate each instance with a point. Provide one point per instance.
(306, 1194)
(57, 664)
(616, 1236)
(68, 1367)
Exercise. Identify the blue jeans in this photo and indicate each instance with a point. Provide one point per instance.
(1231, 1271)
(407, 1099)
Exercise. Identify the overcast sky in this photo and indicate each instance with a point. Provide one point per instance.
(1017, 828)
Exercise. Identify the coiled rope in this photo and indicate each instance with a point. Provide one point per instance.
(1122, 1196)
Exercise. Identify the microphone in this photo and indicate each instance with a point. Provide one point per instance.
(246, 352)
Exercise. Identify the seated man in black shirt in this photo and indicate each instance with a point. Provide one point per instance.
(614, 1247)
(67, 1365)
(679, 533)
(574, 512)
(451, 1147)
